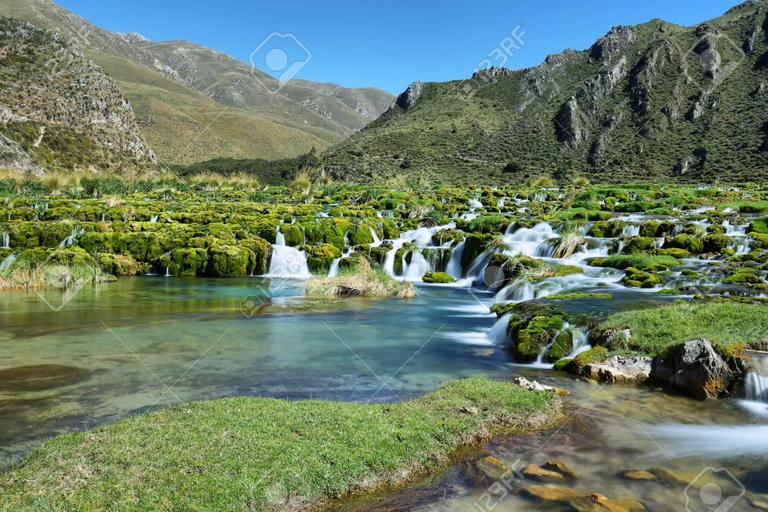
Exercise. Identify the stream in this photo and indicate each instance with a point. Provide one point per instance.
(132, 346)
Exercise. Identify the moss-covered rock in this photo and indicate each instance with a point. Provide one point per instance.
(715, 243)
(188, 262)
(635, 278)
(228, 261)
(319, 258)
(119, 265)
(437, 277)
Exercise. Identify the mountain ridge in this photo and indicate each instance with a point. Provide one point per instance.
(638, 104)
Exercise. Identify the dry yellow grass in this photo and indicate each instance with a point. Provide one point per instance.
(361, 281)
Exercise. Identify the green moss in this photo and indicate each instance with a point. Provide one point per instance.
(637, 261)
(638, 279)
(438, 277)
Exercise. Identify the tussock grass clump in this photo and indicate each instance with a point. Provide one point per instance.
(567, 245)
(264, 454)
(23, 274)
(362, 280)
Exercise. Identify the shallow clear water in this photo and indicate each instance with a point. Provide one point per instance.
(134, 345)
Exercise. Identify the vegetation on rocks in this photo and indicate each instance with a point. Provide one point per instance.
(361, 280)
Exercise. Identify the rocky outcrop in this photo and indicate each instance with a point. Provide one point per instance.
(569, 124)
(695, 369)
(53, 91)
(407, 99)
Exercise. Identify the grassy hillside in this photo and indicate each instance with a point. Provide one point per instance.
(639, 104)
(180, 87)
(170, 113)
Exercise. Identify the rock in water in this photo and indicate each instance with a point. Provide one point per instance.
(695, 369)
(492, 467)
(550, 493)
(562, 468)
(538, 473)
(619, 369)
(637, 474)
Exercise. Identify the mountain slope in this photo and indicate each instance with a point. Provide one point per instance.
(653, 101)
(302, 115)
(60, 111)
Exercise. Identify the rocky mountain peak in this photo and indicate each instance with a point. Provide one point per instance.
(407, 99)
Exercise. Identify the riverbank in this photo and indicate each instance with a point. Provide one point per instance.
(257, 453)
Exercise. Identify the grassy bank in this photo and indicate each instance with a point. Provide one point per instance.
(729, 325)
(23, 274)
(265, 454)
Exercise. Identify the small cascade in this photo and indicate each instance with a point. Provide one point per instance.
(76, 231)
(376, 240)
(735, 230)
(7, 262)
(498, 333)
(756, 385)
(336, 263)
(528, 240)
(740, 244)
(418, 266)
(346, 238)
(5, 241)
(453, 268)
(154, 218)
(632, 230)
(287, 262)
(103, 217)
(580, 341)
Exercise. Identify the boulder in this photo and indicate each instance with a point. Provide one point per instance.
(637, 474)
(694, 368)
(619, 369)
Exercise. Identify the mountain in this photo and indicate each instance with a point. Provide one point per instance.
(60, 111)
(195, 103)
(645, 102)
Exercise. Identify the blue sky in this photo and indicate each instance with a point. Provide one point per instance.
(388, 45)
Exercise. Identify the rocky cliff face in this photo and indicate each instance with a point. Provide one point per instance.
(59, 110)
(652, 101)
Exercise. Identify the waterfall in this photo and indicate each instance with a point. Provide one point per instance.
(454, 263)
(334, 270)
(280, 237)
(7, 262)
(376, 240)
(498, 333)
(756, 385)
(76, 231)
(5, 241)
(287, 262)
(528, 240)
(418, 266)
(632, 230)
(154, 218)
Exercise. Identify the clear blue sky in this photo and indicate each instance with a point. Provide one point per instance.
(389, 44)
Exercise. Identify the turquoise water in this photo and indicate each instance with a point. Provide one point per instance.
(128, 347)
(116, 349)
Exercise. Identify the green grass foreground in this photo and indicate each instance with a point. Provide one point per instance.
(265, 454)
(729, 325)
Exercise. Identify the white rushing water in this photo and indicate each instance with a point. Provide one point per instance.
(70, 240)
(5, 241)
(287, 262)
(334, 270)
(756, 388)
